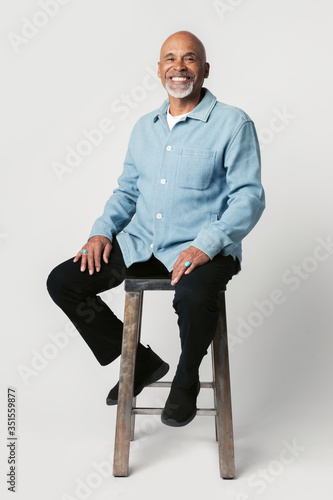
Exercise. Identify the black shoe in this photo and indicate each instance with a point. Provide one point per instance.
(148, 369)
(181, 405)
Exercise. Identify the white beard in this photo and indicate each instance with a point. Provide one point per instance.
(183, 91)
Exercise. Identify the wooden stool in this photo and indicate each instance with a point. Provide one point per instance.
(127, 409)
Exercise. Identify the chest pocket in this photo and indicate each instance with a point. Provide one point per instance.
(195, 168)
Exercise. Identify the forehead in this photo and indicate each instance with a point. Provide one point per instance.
(181, 44)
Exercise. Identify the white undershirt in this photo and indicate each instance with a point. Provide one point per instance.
(172, 120)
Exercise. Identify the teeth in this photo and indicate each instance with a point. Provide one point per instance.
(179, 79)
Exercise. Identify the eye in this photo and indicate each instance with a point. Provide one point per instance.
(190, 59)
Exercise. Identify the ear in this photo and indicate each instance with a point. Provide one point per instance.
(159, 70)
(207, 67)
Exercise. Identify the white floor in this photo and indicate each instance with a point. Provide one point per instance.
(65, 452)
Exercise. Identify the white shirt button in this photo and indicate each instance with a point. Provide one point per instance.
(168, 148)
(163, 181)
(159, 216)
(151, 245)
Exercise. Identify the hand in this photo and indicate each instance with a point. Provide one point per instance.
(96, 247)
(192, 254)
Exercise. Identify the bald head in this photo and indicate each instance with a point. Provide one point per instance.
(182, 69)
(182, 38)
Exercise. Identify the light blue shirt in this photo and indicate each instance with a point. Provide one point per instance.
(197, 184)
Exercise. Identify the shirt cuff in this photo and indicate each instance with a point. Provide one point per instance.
(208, 244)
(101, 230)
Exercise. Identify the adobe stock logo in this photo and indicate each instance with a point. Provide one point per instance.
(84, 487)
(41, 357)
(30, 28)
(292, 280)
(266, 476)
(278, 122)
(93, 137)
(225, 7)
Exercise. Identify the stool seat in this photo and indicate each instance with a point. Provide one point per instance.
(141, 284)
(127, 409)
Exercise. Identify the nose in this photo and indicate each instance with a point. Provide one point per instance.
(179, 64)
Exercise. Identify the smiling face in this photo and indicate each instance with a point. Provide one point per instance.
(183, 67)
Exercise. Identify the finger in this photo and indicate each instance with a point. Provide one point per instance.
(190, 268)
(182, 269)
(174, 273)
(81, 256)
(106, 253)
(90, 259)
(177, 273)
(83, 263)
(97, 259)
(77, 256)
(177, 277)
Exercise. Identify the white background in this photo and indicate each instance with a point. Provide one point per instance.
(271, 58)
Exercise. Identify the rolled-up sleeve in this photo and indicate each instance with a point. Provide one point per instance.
(246, 199)
(121, 206)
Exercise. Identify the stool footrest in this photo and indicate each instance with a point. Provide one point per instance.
(203, 412)
(203, 385)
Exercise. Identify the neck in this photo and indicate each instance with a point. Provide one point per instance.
(180, 106)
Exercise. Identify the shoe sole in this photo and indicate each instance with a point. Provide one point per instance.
(159, 373)
(174, 423)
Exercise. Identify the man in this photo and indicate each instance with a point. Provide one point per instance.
(191, 177)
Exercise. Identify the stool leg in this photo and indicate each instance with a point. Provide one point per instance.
(214, 391)
(138, 340)
(133, 420)
(133, 304)
(223, 396)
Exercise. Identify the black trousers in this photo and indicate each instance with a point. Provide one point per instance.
(195, 303)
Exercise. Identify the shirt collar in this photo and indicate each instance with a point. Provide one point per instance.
(200, 112)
